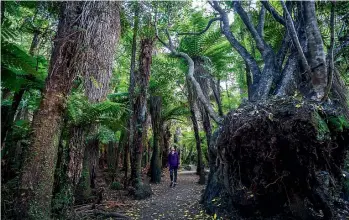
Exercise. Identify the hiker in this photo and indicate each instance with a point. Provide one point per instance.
(173, 162)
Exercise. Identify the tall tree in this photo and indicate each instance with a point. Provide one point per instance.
(139, 108)
(78, 35)
(155, 111)
(131, 89)
(192, 104)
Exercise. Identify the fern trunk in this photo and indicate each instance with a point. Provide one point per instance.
(139, 108)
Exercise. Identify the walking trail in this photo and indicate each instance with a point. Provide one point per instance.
(180, 202)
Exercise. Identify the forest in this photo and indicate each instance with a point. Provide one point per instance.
(250, 96)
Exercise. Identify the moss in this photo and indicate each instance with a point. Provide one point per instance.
(322, 128)
(338, 123)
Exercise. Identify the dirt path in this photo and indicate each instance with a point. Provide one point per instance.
(180, 202)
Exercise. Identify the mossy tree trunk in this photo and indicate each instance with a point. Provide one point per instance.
(98, 69)
(36, 181)
(70, 56)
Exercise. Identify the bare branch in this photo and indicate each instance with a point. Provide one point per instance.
(157, 31)
(330, 56)
(261, 20)
(203, 31)
(281, 54)
(206, 103)
(261, 45)
(225, 28)
(292, 31)
(273, 12)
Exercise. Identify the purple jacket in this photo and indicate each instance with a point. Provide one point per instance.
(173, 160)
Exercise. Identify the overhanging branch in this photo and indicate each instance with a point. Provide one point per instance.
(225, 28)
(203, 31)
(261, 45)
(206, 103)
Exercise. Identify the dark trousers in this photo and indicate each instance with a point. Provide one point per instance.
(173, 172)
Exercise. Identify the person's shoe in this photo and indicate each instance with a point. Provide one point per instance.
(171, 185)
(174, 184)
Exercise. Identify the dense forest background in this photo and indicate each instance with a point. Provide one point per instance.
(94, 94)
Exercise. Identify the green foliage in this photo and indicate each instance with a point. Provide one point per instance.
(322, 128)
(106, 135)
(81, 112)
(339, 123)
(62, 202)
(212, 44)
(175, 113)
(115, 186)
(18, 68)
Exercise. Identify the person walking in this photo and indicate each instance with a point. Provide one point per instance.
(173, 162)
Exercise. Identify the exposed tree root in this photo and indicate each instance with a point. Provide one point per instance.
(281, 158)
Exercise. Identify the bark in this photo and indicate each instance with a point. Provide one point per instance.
(76, 154)
(131, 122)
(330, 55)
(139, 108)
(316, 55)
(145, 140)
(216, 88)
(236, 45)
(166, 136)
(127, 161)
(261, 20)
(155, 111)
(70, 55)
(191, 100)
(273, 12)
(100, 44)
(292, 31)
(203, 78)
(35, 43)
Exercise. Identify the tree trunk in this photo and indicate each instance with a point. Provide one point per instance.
(131, 89)
(70, 56)
(139, 114)
(203, 78)
(199, 169)
(98, 70)
(155, 111)
(166, 136)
